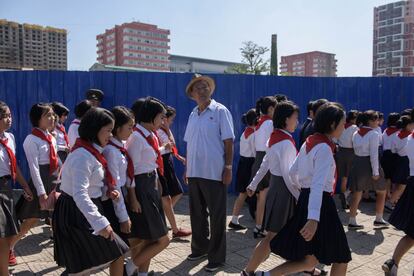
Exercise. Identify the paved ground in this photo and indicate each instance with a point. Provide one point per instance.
(370, 248)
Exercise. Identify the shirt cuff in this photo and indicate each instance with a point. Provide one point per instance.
(99, 224)
(314, 214)
(40, 190)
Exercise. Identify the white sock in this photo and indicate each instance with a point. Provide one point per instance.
(235, 219)
(352, 220)
(130, 267)
(266, 273)
(346, 194)
(378, 217)
(258, 227)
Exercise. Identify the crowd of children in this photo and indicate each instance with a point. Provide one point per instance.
(108, 185)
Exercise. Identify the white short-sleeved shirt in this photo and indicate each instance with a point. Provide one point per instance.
(367, 145)
(262, 134)
(204, 135)
(142, 154)
(387, 139)
(345, 141)
(247, 148)
(4, 157)
(37, 153)
(73, 132)
(82, 179)
(315, 170)
(278, 160)
(410, 153)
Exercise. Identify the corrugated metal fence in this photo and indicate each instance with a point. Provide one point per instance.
(238, 92)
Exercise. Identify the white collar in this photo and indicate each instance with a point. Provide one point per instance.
(144, 130)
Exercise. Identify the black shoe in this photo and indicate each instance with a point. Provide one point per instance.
(258, 233)
(381, 223)
(195, 257)
(355, 226)
(237, 226)
(211, 267)
(389, 267)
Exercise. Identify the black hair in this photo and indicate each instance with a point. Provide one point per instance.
(283, 111)
(94, 94)
(60, 109)
(92, 122)
(82, 107)
(136, 108)
(317, 104)
(352, 115)
(309, 107)
(263, 104)
(328, 114)
(170, 111)
(280, 98)
(404, 121)
(369, 115)
(380, 115)
(122, 116)
(150, 108)
(37, 111)
(250, 117)
(393, 119)
(3, 107)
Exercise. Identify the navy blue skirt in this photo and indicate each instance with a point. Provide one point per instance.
(402, 170)
(329, 245)
(402, 217)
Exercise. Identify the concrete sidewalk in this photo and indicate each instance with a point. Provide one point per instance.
(370, 248)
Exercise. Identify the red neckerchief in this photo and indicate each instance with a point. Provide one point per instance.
(391, 130)
(278, 136)
(262, 119)
(248, 131)
(12, 157)
(53, 159)
(347, 125)
(171, 139)
(61, 128)
(130, 166)
(316, 139)
(403, 134)
(153, 142)
(109, 180)
(364, 130)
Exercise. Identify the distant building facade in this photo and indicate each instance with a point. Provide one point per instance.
(28, 46)
(393, 43)
(135, 44)
(311, 64)
(185, 64)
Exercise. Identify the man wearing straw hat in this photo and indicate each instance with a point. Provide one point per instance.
(209, 136)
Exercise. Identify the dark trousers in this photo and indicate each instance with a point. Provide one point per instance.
(208, 198)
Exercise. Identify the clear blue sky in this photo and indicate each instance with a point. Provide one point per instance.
(215, 29)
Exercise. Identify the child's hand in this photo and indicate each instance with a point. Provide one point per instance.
(309, 230)
(114, 195)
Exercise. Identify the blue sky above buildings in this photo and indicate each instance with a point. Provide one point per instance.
(215, 29)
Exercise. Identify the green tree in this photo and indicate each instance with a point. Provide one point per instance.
(253, 59)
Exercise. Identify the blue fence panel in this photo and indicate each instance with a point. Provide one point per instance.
(238, 92)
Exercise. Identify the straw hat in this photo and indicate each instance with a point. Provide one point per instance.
(197, 78)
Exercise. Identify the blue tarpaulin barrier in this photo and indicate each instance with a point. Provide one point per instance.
(21, 89)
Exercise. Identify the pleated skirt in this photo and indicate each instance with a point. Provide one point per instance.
(360, 177)
(150, 224)
(388, 163)
(280, 205)
(329, 245)
(402, 217)
(31, 209)
(75, 246)
(401, 170)
(9, 225)
(264, 183)
(173, 187)
(343, 159)
(244, 173)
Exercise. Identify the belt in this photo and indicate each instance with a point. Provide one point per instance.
(5, 177)
(147, 175)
